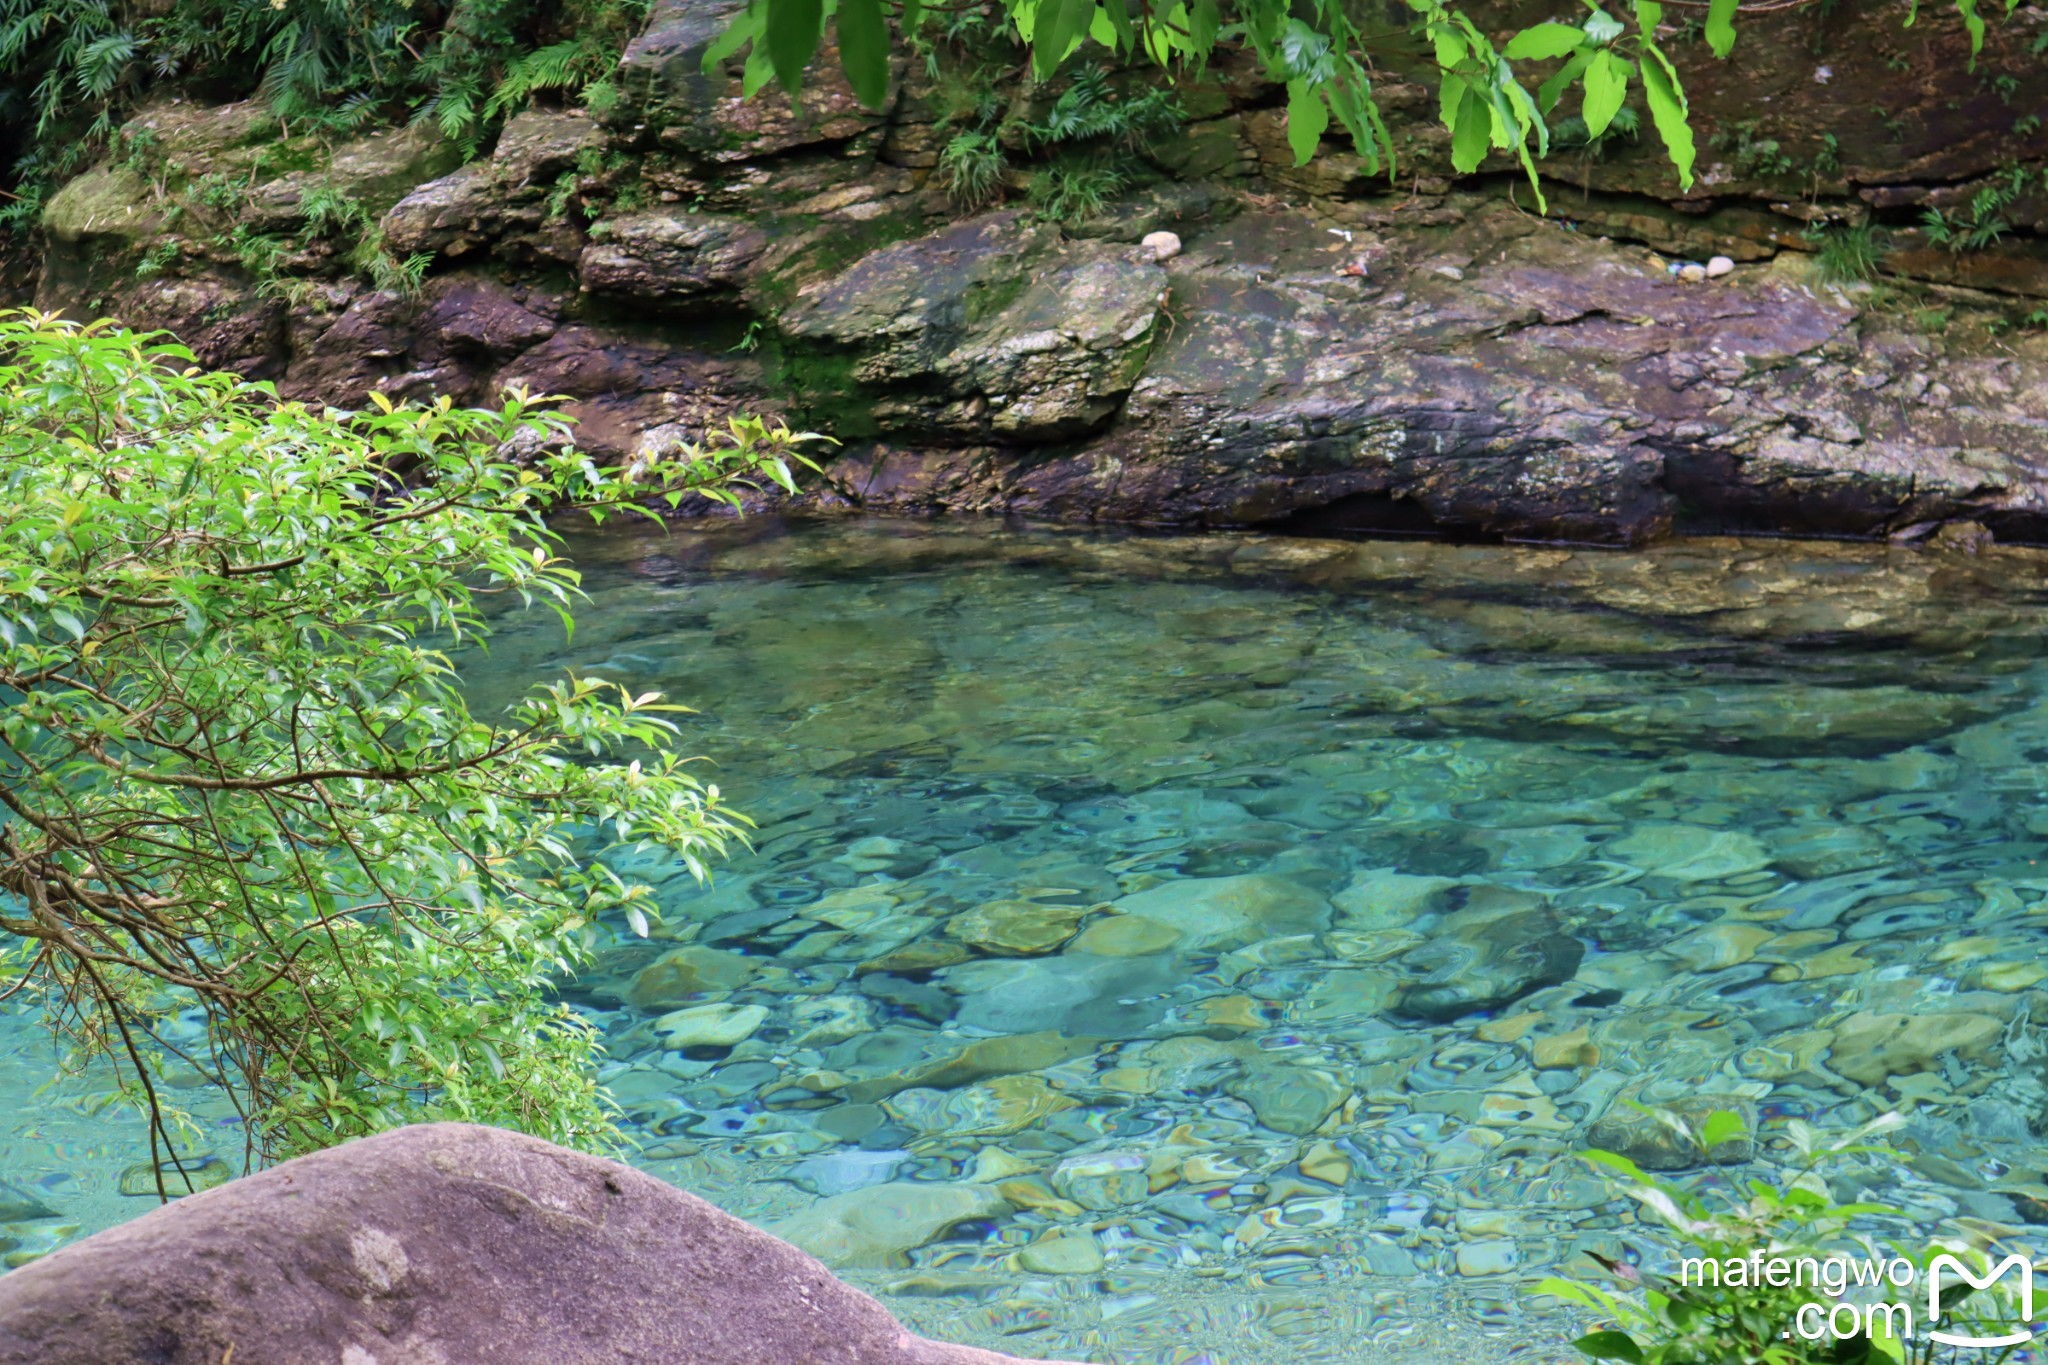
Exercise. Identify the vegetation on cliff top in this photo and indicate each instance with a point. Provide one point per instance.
(74, 68)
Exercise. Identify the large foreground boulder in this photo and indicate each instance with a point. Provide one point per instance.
(446, 1244)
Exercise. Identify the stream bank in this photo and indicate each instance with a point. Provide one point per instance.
(1325, 350)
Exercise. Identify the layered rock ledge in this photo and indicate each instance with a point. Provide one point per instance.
(1326, 350)
(439, 1245)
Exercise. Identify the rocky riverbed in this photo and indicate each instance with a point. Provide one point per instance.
(1165, 946)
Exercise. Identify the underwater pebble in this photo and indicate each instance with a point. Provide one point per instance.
(877, 1226)
(1069, 1251)
(719, 1025)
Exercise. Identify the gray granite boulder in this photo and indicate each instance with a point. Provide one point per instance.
(446, 1244)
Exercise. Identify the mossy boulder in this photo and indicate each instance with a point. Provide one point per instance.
(995, 327)
(672, 258)
(107, 202)
(376, 171)
(502, 203)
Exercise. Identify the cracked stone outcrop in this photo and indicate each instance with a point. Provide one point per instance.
(1513, 379)
(1328, 351)
(992, 328)
(672, 258)
(446, 1244)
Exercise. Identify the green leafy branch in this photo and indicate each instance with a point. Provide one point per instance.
(238, 770)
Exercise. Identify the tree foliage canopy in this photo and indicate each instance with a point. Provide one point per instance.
(238, 775)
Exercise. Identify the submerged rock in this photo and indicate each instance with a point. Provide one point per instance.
(1229, 912)
(1290, 1099)
(1063, 1251)
(1073, 993)
(1016, 928)
(1487, 965)
(677, 978)
(1665, 1137)
(1690, 853)
(879, 1225)
(450, 1242)
(710, 1025)
(1871, 1048)
(18, 1205)
(188, 1176)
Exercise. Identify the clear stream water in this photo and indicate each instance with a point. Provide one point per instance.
(1213, 949)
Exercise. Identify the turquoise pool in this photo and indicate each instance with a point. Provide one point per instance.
(1214, 949)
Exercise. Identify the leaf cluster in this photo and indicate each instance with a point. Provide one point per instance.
(1701, 1320)
(1983, 223)
(1491, 97)
(239, 774)
(1089, 137)
(70, 70)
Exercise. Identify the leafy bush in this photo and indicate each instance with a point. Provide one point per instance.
(1572, 133)
(1088, 110)
(1845, 254)
(239, 772)
(1071, 193)
(1091, 134)
(1660, 1321)
(971, 167)
(1984, 223)
(70, 70)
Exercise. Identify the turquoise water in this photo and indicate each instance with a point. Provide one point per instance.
(1213, 949)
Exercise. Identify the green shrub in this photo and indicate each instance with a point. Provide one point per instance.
(1983, 224)
(71, 70)
(239, 769)
(1655, 1319)
(1071, 193)
(971, 168)
(1845, 254)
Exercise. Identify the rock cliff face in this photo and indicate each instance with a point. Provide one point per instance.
(1326, 350)
(446, 1243)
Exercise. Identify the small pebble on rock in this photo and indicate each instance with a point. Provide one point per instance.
(1719, 266)
(1164, 246)
(1692, 274)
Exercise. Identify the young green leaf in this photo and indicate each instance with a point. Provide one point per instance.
(1061, 24)
(794, 28)
(1610, 1346)
(1545, 41)
(745, 28)
(1602, 28)
(1547, 94)
(1606, 88)
(1720, 30)
(1450, 95)
(1668, 110)
(864, 50)
(1473, 133)
(1721, 1126)
(1307, 117)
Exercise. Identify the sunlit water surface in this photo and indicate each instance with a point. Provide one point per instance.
(1214, 949)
